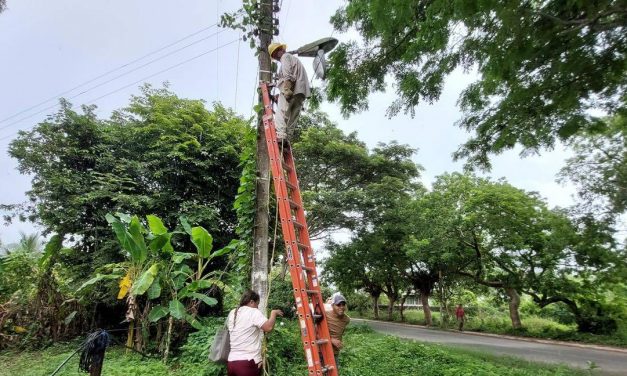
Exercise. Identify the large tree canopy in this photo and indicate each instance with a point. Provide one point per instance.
(599, 170)
(161, 155)
(505, 238)
(542, 65)
(337, 171)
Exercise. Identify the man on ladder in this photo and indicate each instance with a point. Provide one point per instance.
(293, 87)
(314, 330)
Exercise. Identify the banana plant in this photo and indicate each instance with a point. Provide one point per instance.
(186, 284)
(163, 276)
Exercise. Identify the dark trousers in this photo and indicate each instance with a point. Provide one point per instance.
(243, 368)
(460, 321)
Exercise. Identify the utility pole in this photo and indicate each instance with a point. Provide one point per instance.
(261, 237)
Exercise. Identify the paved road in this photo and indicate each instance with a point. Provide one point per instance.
(610, 362)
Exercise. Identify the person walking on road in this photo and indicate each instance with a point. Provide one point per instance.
(293, 87)
(461, 316)
(246, 325)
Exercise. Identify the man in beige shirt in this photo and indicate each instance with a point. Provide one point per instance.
(337, 320)
(293, 87)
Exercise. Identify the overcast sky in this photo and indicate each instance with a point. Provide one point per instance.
(49, 47)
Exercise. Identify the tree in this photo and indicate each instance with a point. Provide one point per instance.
(541, 65)
(599, 170)
(3, 5)
(335, 169)
(509, 239)
(493, 225)
(161, 155)
(582, 264)
(427, 246)
(348, 268)
(381, 229)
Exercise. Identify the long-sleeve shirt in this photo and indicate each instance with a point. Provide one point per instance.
(293, 70)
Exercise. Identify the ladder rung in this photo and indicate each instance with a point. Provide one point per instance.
(327, 368)
(293, 204)
(302, 246)
(322, 341)
(298, 224)
(307, 268)
(312, 291)
(290, 185)
(286, 167)
(317, 317)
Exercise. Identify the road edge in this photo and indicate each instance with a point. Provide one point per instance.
(526, 339)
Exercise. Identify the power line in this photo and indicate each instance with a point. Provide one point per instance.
(283, 26)
(114, 78)
(144, 78)
(109, 72)
(252, 106)
(237, 70)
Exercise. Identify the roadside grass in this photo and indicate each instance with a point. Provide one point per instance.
(366, 353)
(533, 326)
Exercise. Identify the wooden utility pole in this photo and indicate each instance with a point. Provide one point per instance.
(261, 240)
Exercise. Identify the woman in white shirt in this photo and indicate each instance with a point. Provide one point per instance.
(246, 326)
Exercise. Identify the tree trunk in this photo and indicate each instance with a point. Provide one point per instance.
(129, 336)
(168, 338)
(375, 306)
(402, 309)
(159, 333)
(514, 303)
(424, 299)
(260, 251)
(391, 308)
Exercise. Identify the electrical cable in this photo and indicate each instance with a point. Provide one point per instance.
(252, 106)
(286, 16)
(67, 359)
(237, 70)
(108, 72)
(112, 79)
(138, 81)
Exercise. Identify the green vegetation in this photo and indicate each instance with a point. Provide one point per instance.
(363, 356)
(151, 211)
(542, 65)
(535, 327)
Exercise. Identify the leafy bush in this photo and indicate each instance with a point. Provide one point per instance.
(194, 353)
(358, 302)
(282, 296)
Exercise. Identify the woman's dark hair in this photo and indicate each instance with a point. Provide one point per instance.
(247, 297)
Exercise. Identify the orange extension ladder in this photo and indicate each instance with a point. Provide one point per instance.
(300, 257)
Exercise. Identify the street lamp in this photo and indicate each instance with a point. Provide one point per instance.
(317, 50)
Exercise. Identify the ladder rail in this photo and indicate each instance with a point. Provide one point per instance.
(304, 239)
(312, 322)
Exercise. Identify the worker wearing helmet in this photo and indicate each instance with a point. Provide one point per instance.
(293, 87)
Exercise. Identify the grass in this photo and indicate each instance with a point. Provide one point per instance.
(366, 354)
(533, 326)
